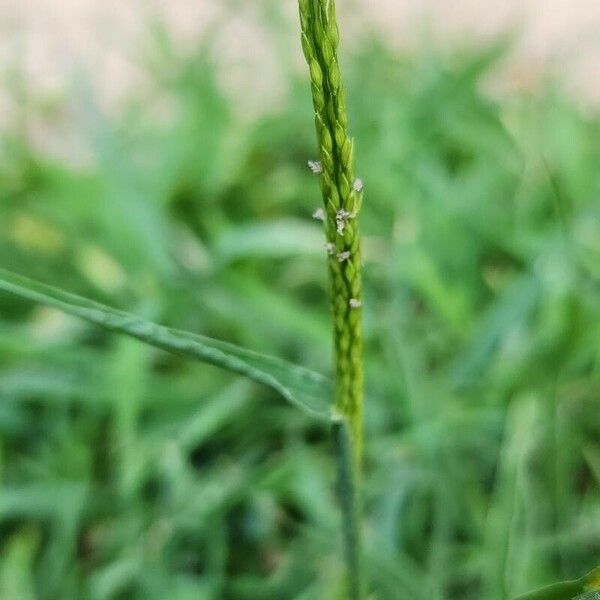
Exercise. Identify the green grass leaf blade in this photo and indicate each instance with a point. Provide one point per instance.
(585, 588)
(565, 590)
(306, 389)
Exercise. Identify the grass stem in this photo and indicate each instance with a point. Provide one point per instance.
(348, 494)
(342, 194)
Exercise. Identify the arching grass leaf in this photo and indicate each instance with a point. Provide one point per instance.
(585, 588)
(306, 389)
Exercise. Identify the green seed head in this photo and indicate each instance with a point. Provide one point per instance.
(342, 200)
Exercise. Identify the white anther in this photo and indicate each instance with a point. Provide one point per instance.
(358, 185)
(330, 248)
(319, 214)
(354, 303)
(342, 256)
(343, 215)
(340, 218)
(315, 166)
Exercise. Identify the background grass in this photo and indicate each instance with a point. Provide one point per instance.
(127, 473)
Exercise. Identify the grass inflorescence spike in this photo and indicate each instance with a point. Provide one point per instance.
(342, 196)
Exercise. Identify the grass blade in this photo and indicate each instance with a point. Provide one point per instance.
(585, 588)
(567, 590)
(305, 389)
(350, 504)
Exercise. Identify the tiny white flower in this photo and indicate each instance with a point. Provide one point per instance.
(358, 185)
(342, 256)
(354, 303)
(343, 215)
(330, 248)
(315, 166)
(340, 218)
(319, 214)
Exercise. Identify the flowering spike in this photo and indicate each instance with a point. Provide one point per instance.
(342, 196)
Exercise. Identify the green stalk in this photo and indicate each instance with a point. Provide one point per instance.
(342, 197)
(350, 503)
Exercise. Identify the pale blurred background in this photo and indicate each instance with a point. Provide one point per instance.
(49, 39)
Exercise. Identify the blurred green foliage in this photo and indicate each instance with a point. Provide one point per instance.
(127, 473)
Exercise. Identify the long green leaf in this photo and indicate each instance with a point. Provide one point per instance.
(565, 590)
(306, 389)
(568, 590)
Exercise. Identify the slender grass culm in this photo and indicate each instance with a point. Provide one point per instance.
(342, 196)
